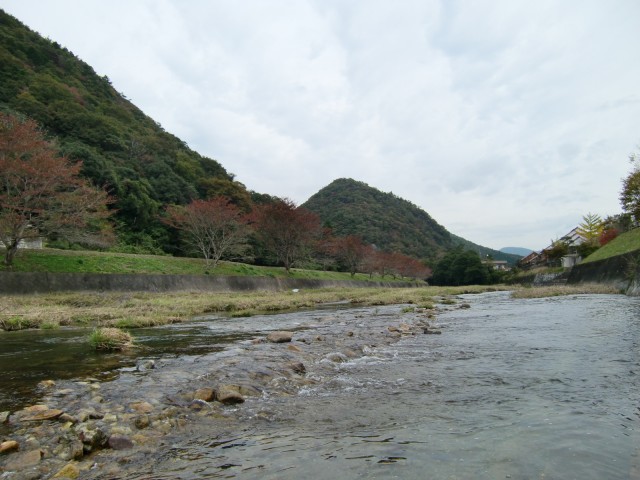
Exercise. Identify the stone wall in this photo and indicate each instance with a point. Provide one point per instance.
(40, 282)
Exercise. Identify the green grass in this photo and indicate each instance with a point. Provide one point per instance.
(72, 261)
(625, 243)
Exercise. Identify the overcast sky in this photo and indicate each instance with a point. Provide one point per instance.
(505, 120)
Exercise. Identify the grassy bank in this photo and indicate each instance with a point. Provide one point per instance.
(625, 243)
(72, 261)
(130, 310)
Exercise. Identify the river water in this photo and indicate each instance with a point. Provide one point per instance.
(512, 388)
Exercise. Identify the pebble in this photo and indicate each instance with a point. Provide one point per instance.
(9, 446)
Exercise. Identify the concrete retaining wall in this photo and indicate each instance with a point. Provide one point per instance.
(38, 282)
(622, 272)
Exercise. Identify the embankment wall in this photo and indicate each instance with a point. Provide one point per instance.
(42, 282)
(622, 272)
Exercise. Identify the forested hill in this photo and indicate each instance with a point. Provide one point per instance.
(389, 222)
(123, 149)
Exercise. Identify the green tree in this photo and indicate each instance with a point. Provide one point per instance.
(460, 267)
(630, 194)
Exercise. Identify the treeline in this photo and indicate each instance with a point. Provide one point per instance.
(280, 232)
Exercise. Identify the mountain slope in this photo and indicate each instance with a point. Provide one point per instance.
(142, 165)
(523, 252)
(391, 223)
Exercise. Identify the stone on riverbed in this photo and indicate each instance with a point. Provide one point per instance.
(21, 461)
(141, 407)
(120, 442)
(280, 337)
(206, 394)
(9, 446)
(44, 384)
(70, 470)
(51, 414)
(229, 395)
(297, 367)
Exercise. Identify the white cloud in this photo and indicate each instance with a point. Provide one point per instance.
(505, 120)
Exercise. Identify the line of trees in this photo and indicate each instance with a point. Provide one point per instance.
(43, 194)
(280, 232)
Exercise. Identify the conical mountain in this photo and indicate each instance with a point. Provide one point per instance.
(389, 222)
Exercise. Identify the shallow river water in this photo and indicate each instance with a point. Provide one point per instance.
(523, 389)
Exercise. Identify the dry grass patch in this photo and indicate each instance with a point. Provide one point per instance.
(142, 309)
(560, 290)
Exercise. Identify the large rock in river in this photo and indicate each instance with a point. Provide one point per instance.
(280, 337)
(229, 394)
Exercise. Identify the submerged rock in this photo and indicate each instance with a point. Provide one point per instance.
(70, 470)
(297, 367)
(20, 461)
(120, 442)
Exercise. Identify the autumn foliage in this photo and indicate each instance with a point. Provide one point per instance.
(287, 231)
(42, 194)
(215, 228)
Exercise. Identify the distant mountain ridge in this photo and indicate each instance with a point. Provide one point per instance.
(391, 223)
(523, 252)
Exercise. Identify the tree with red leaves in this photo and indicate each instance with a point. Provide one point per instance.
(289, 232)
(215, 228)
(42, 194)
(351, 252)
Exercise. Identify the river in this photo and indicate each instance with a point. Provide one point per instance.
(512, 388)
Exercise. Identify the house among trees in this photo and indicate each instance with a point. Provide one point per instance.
(500, 265)
(33, 243)
(561, 252)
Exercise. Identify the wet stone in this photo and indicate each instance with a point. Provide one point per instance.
(142, 422)
(44, 384)
(280, 337)
(297, 367)
(70, 470)
(20, 461)
(43, 415)
(9, 446)
(229, 395)
(120, 442)
(141, 407)
(206, 394)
